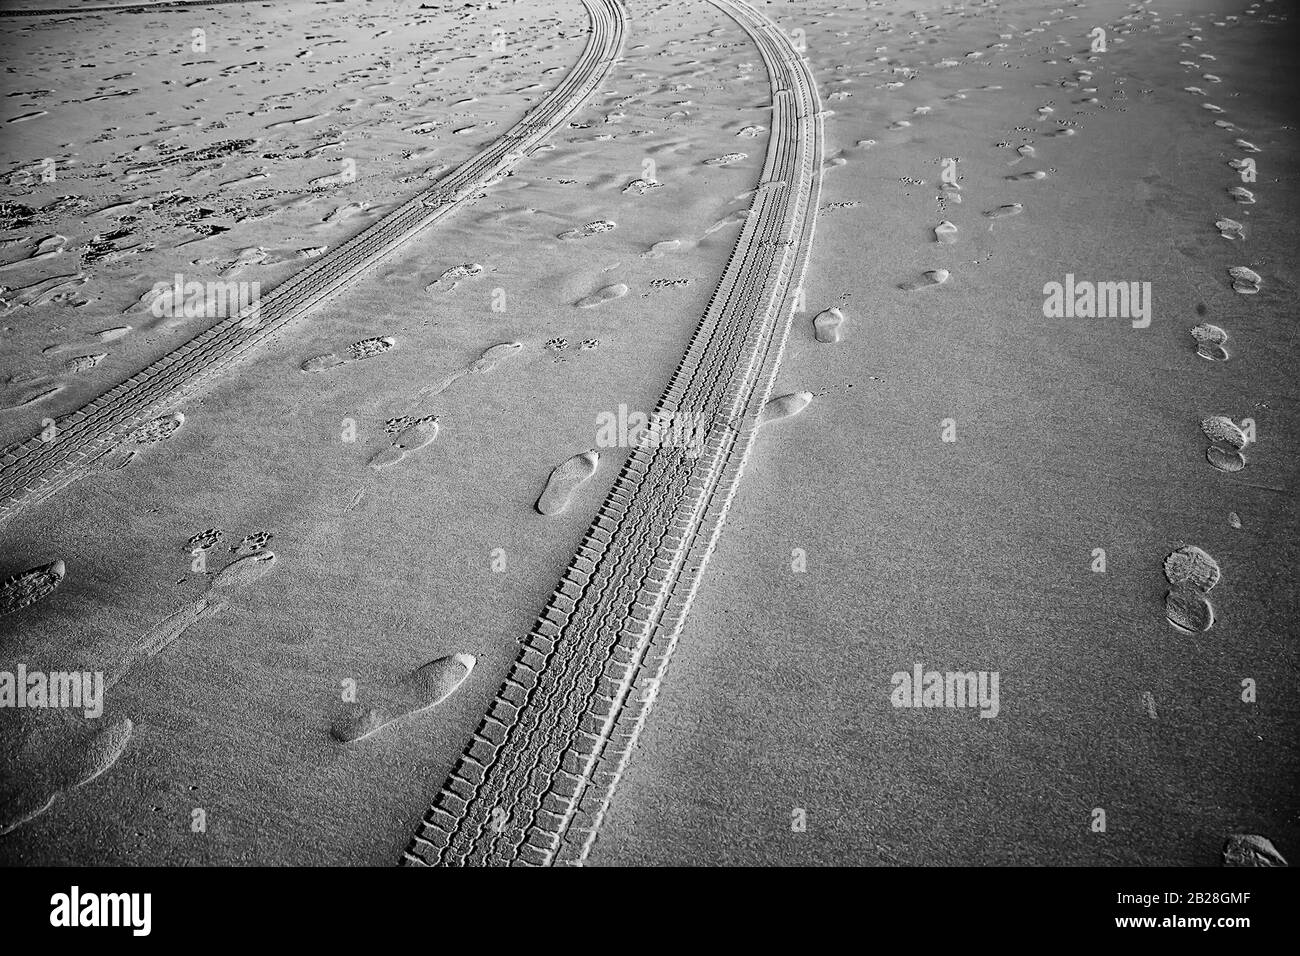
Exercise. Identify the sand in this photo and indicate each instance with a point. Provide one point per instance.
(399, 478)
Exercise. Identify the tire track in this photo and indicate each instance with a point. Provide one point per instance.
(538, 775)
(33, 470)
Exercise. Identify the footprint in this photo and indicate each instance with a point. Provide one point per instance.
(493, 354)
(427, 687)
(639, 187)
(1027, 176)
(366, 348)
(1247, 146)
(564, 481)
(659, 249)
(726, 159)
(1220, 428)
(945, 232)
(1002, 212)
(82, 363)
(204, 541)
(1225, 459)
(1246, 281)
(1209, 342)
(590, 229)
(1189, 611)
(163, 635)
(826, 326)
(411, 439)
(1251, 849)
(1230, 228)
(27, 587)
(1190, 567)
(482, 365)
(244, 571)
(1226, 443)
(453, 277)
(607, 294)
(252, 544)
(32, 397)
(75, 769)
(346, 211)
(929, 279)
(395, 426)
(1242, 195)
(784, 406)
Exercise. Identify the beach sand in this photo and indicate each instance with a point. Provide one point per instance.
(940, 501)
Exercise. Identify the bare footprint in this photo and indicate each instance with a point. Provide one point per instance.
(601, 296)
(427, 687)
(1242, 195)
(244, 571)
(564, 481)
(784, 406)
(945, 232)
(827, 325)
(162, 635)
(27, 587)
(929, 279)
(493, 354)
(366, 348)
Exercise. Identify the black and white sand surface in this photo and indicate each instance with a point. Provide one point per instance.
(624, 432)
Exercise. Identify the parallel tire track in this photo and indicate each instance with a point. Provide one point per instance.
(33, 470)
(538, 775)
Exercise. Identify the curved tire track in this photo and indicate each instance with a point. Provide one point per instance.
(538, 775)
(33, 470)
